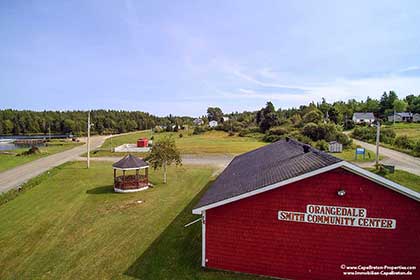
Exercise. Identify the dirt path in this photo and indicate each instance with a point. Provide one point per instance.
(17, 176)
(400, 160)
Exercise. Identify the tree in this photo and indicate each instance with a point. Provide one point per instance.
(164, 153)
(400, 105)
(314, 116)
(214, 114)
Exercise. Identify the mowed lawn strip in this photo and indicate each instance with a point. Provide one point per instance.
(210, 142)
(72, 225)
(8, 161)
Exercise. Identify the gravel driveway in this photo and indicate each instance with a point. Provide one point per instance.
(400, 160)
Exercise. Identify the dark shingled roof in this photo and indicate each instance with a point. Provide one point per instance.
(267, 165)
(130, 161)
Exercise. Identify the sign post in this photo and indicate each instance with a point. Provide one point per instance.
(360, 151)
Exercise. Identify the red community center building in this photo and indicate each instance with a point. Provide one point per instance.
(290, 211)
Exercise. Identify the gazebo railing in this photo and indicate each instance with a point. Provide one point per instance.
(131, 182)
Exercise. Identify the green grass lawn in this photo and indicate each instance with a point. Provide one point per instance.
(404, 178)
(211, 142)
(71, 225)
(412, 130)
(8, 161)
(349, 155)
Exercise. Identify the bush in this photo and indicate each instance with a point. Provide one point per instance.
(322, 145)
(33, 150)
(387, 135)
(311, 130)
(180, 135)
(344, 139)
(416, 148)
(199, 130)
(327, 132)
(314, 116)
(272, 138)
(402, 142)
(277, 130)
(231, 133)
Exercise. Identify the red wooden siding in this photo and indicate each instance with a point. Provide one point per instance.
(247, 236)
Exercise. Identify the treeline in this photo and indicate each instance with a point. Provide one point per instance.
(339, 112)
(18, 122)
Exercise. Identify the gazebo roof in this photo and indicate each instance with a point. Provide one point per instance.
(130, 162)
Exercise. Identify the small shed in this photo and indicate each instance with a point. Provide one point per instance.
(142, 142)
(131, 182)
(335, 147)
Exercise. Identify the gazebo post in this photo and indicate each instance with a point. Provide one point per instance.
(123, 180)
(137, 177)
(115, 176)
(146, 174)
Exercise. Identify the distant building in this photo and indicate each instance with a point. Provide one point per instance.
(401, 117)
(225, 119)
(416, 117)
(212, 123)
(363, 118)
(198, 121)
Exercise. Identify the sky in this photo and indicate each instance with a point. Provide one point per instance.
(181, 57)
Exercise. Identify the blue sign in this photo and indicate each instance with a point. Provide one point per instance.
(360, 151)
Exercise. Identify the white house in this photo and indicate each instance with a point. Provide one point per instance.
(416, 117)
(212, 123)
(225, 119)
(198, 121)
(401, 117)
(363, 118)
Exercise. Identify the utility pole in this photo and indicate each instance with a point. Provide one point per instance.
(394, 116)
(88, 140)
(378, 131)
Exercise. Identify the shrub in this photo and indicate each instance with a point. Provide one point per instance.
(180, 135)
(199, 130)
(231, 133)
(311, 130)
(272, 138)
(416, 148)
(402, 142)
(277, 130)
(344, 139)
(322, 145)
(314, 116)
(387, 135)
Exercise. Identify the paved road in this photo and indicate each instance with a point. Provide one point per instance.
(400, 160)
(219, 161)
(17, 176)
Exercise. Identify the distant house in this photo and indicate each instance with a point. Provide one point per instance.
(416, 117)
(363, 118)
(401, 117)
(212, 123)
(198, 121)
(335, 147)
(225, 119)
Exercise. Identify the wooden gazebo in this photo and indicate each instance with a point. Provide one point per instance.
(131, 182)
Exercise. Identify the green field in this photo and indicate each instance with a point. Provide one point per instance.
(71, 225)
(412, 130)
(211, 142)
(8, 161)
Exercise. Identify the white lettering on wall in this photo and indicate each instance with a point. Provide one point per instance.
(338, 216)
